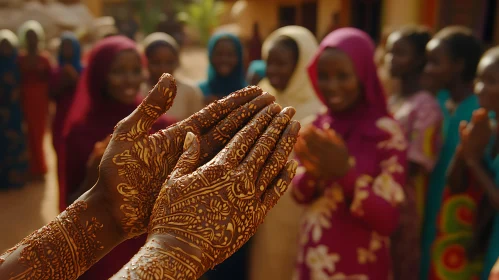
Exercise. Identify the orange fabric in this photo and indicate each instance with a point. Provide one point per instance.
(35, 101)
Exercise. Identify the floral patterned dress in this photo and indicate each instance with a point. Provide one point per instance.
(345, 231)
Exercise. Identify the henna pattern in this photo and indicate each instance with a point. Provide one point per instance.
(63, 249)
(218, 207)
(143, 162)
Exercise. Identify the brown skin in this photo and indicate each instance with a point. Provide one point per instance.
(125, 77)
(103, 203)
(323, 153)
(224, 57)
(444, 72)
(66, 50)
(162, 60)
(32, 42)
(70, 75)
(281, 64)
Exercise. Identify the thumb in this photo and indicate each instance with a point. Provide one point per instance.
(189, 160)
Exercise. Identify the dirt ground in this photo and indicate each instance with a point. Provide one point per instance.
(31, 207)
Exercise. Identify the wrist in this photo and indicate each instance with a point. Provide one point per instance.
(99, 201)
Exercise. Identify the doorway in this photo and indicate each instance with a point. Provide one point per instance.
(309, 16)
(366, 15)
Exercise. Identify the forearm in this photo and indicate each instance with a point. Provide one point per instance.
(485, 182)
(163, 257)
(457, 178)
(66, 247)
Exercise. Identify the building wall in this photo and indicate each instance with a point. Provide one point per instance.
(397, 13)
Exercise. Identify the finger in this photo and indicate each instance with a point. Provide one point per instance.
(140, 121)
(258, 155)
(462, 126)
(189, 160)
(479, 115)
(279, 156)
(218, 110)
(279, 185)
(217, 137)
(240, 145)
(301, 149)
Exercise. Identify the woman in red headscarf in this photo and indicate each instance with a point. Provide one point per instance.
(107, 92)
(354, 159)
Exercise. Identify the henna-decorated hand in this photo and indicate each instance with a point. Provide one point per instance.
(136, 164)
(203, 215)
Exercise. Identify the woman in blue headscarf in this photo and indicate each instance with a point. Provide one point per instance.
(13, 151)
(64, 82)
(226, 69)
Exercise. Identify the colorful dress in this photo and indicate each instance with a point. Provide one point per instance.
(444, 233)
(421, 120)
(345, 230)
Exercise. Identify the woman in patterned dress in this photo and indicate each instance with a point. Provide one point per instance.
(354, 161)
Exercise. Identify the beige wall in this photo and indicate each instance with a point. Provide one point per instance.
(325, 10)
(95, 6)
(401, 12)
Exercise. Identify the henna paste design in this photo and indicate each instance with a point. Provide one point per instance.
(218, 207)
(144, 161)
(63, 249)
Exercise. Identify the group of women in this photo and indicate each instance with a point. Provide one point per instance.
(403, 187)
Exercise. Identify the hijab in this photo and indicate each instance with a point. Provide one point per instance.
(75, 60)
(223, 86)
(35, 26)
(160, 39)
(360, 49)
(299, 92)
(9, 64)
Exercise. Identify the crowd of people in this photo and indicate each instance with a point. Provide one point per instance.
(396, 179)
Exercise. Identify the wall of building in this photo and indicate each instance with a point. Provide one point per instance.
(397, 13)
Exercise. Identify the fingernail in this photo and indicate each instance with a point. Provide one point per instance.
(188, 140)
(295, 127)
(275, 108)
(267, 95)
(290, 111)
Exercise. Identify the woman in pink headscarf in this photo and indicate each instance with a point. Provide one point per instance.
(106, 93)
(354, 161)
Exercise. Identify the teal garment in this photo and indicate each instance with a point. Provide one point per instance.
(221, 86)
(492, 252)
(437, 181)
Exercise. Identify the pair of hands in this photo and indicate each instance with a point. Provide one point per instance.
(475, 136)
(212, 202)
(323, 153)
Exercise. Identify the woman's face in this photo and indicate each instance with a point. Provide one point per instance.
(440, 69)
(31, 40)
(125, 77)
(161, 60)
(6, 49)
(224, 57)
(400, 57)
(67, 50)
(337, 80)
(281, 64)
(487, 83)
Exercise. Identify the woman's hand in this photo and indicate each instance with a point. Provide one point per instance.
(322, 153)
(475, 136)
(203, 215)
(136, 164)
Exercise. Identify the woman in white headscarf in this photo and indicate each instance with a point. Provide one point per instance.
(287, 52)
(163, 56)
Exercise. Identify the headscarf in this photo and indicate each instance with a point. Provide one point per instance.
(299, 92)
(76, 58)
(157, 39)
(258, 67)
(9, 64)
(34, 26)
(360, 48)
(222, 86)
